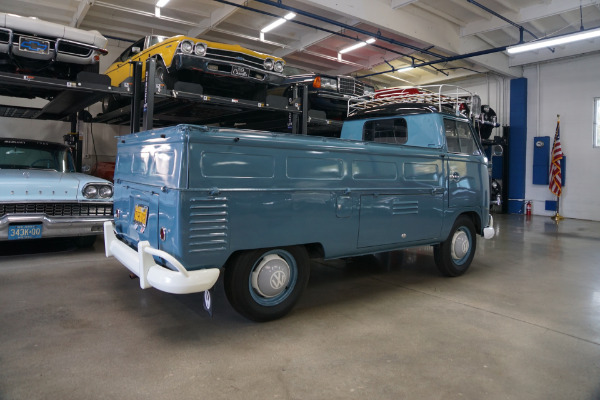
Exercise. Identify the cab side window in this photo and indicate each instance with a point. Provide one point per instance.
(459, 137)
(386, 131)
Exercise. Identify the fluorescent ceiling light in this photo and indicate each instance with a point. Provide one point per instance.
(157, 12)
(357, 46)
(539, 44)
(277, 22)
(405, 69)
(161, 3)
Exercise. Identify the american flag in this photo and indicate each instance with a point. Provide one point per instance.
(555, 171)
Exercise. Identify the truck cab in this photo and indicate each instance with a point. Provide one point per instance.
(194, 202)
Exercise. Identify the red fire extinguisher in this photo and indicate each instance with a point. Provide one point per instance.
(528, 209)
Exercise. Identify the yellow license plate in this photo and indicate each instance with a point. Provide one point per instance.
(141, 215)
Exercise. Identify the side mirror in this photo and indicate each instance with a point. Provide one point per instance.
(135, 50)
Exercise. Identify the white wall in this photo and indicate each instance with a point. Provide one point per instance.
(568, 88)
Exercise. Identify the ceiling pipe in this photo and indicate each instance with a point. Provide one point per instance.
(447, 59)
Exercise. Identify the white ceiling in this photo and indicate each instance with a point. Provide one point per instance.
(429, 29)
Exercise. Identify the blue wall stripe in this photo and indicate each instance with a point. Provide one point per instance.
(517, 145)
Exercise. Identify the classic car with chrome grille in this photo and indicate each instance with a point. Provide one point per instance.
(327, 93)
(41, 195)
(32, 46)
(215, 68)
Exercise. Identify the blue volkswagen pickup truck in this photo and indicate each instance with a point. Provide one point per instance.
(194, 202)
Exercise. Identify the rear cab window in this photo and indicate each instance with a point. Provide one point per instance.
(393, 130)
(459, 137)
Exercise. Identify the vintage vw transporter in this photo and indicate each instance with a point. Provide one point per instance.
(194, 201)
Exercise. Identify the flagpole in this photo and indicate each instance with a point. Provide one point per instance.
(557, 217)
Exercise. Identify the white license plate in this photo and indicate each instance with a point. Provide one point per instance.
(34, 45)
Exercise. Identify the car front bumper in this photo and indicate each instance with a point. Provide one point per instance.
(141, 263)
(218, 67)
(55, 226)
(488, 231)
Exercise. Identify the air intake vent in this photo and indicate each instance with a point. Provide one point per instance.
(209, 225)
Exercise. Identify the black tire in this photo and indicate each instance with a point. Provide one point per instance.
(112, 102)
(453, 256)
(85, 241)
(247, 274)
(162, 76)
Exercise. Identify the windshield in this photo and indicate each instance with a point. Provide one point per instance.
(154, 39)
(17, 154)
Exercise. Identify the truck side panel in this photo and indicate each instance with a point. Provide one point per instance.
(346, 195)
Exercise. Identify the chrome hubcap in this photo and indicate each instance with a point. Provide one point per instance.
(460, 245)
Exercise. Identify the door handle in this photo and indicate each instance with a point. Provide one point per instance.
(455, 176)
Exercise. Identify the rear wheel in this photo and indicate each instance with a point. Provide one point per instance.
(453, 256)
(265, 284)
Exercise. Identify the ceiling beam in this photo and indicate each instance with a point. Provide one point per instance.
(216, 17)
(82, 9)
(401, 3)
(420, 26)
(306, 41)
(527, 14)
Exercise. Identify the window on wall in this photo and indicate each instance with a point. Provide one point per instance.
(597, 122)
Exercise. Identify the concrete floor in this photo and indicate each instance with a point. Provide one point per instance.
(523, 323)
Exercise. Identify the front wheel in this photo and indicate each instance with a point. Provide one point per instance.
(162, 75)
(265, 284)
(453, 256)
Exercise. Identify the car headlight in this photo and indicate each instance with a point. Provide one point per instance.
(90, 192)
(187, 46)
(369, 91)
(97, 191)
(200, 49)
(278, 66)
(105, 191)
(268, 64)
(325, 83)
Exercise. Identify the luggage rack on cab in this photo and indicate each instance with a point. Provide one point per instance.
(460, 100)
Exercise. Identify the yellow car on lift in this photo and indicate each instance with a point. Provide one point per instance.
(214, 68)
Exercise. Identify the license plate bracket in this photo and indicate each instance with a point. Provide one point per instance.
(34, 45)
(240, 71)
(28, 231)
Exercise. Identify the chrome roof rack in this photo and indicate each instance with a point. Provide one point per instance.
(439, 96)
